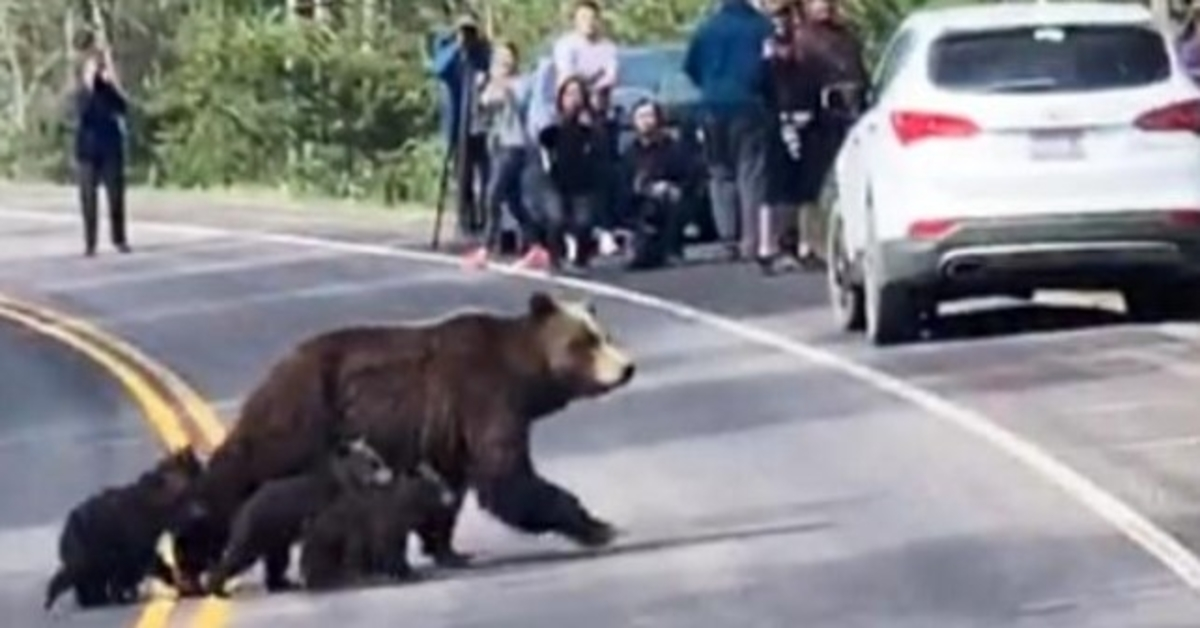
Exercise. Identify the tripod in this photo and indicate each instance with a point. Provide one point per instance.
(458, 154)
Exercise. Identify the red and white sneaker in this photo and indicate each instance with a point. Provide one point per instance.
(536, 258)
(477, 259)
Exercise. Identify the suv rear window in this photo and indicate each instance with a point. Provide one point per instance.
(1049, 59)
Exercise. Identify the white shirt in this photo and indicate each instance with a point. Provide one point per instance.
(575, 54)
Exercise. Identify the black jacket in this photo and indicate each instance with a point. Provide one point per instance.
(96, 118)
(645, 163)
(577, 154)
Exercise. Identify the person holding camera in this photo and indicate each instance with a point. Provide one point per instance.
(794, 94)
(571, 150)
(461, 60)
(655, 174)
(502, 109)
(98, 111)
(843, 77)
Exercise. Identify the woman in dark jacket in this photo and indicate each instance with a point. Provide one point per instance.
(843, 81)
(572, 151)
(794, 94)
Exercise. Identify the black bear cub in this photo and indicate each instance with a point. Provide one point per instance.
(274, 517)
(108, 544)
(366, 533)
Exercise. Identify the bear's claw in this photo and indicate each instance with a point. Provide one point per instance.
(597, 534)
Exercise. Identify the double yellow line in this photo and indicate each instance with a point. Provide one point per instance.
(177, 415)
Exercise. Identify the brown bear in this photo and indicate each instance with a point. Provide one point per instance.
(109, 543)
(272, 520)
(461, 393)
(365, 533)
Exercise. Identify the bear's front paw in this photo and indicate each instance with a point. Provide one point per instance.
(596, 533)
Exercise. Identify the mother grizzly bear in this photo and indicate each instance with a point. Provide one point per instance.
(460, 393)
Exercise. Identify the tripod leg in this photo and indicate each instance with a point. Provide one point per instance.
(443, 186)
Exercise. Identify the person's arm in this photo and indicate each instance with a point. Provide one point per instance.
(563, 58)
(445, 60)
(610, 67)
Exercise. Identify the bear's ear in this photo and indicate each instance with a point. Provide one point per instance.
(542, 305)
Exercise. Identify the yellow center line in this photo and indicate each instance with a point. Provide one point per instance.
(123, 362)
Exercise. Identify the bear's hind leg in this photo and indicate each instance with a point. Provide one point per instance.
(437, 537)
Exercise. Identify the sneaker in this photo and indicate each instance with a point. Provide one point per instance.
(536, 258)
(476, 259)
(572, 248)
(608, 243)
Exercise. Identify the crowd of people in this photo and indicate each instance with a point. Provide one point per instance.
(780, 82)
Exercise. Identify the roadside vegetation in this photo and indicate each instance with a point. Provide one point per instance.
(235, 93)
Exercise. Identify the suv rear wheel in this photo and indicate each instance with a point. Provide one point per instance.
(893, 312)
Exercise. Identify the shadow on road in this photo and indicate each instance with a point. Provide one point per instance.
(1020, 319)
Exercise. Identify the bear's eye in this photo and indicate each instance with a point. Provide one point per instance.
(586, 342)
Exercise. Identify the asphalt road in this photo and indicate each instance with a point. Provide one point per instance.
(758, 488)
(66, 430)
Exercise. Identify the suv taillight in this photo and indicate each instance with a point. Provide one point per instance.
(1180, 116)
(914, 126)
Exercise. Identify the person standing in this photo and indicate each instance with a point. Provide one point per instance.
(794, 95)
(844, 80)
(501, 107)
(724, 60)
(585, 51)
(461, 59)
(98, 110)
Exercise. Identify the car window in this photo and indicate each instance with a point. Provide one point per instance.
(1049, 59)
(894, 57)
(657, 70)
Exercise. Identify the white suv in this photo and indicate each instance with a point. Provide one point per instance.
(1013, 147)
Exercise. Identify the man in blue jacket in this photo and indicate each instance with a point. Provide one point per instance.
(725, 60)
(460, 59)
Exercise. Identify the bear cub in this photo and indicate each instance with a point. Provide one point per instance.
(274, 517)
(366, 533)
(108, 544)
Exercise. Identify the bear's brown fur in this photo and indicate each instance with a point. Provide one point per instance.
(272, 520)
(365, 533)
(460, 393)
(109, 543)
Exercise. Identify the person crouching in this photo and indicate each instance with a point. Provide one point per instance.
(571, 151)
(655, 175)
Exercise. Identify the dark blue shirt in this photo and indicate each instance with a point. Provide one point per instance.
(97, 121)
(725, 58)
(446, 64)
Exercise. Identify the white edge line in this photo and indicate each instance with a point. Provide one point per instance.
(1138, 528)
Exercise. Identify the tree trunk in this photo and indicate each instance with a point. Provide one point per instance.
(12, 58)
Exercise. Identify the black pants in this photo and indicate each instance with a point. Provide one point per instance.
(657, 231)
(573, 214)
(505, 189)
(109, 171)
(472, 177)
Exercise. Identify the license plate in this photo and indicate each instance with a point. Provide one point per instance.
(1055, 145)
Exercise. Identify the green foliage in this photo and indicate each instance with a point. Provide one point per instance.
(234, 92)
